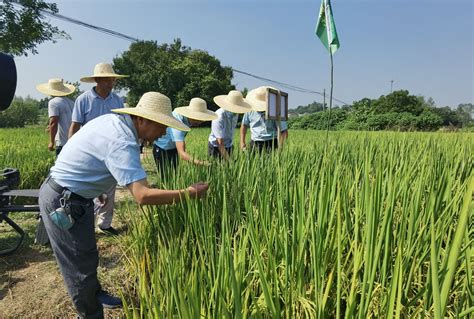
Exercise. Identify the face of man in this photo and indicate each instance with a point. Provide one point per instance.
(149, 130)
(105, 85)
(194, 123)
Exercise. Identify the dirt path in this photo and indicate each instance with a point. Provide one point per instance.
(31, 285)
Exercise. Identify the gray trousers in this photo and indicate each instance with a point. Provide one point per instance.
(75, 251)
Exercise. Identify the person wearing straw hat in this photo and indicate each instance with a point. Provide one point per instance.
(222, 129)
(263, 132)
(168, 148)
(99, 100)
(59, 111)
(95, 102)
(104, 152)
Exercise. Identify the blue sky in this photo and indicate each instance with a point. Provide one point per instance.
(424, 46)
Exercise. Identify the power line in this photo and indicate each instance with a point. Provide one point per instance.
(285, 85)
(132, 39)
(90, 26)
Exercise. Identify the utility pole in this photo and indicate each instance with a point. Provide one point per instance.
(391, 86)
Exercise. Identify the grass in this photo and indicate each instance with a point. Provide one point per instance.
(359, 225)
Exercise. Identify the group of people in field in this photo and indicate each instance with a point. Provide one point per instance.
(97, 141)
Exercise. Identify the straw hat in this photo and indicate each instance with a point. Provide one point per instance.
(155, 107)
(258, 98)
(56, 87)
(197, 110)
(233, 102)
(102, 70)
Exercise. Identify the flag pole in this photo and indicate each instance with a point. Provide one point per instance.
(330, 93)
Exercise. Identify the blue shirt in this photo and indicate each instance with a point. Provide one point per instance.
(62, 108)
(261, 129)
(101, 154)
(90, 105)
(223, 128)
(168, 141)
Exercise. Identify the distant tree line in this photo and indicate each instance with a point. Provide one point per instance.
(396, 111)
(22, 111)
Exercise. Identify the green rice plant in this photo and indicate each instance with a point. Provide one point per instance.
(359, 225)
(26, 149)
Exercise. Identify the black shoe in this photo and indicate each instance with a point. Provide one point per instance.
(110, 231)
(109, 301)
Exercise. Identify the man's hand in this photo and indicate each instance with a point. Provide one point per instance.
(51, 147)
(198, 190)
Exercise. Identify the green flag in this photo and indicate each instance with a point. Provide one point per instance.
(326, 28)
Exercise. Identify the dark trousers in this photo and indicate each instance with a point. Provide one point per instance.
(75, 250)
(165, 160)
(213, 151)
(58, 150)
(260, 146)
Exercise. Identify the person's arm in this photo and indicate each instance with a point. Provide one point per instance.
(144, 195)
(221, 147)
(53, 129)
(73, 129)
(243, 133)
(181, 148)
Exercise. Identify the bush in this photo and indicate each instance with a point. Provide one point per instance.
(429, 121)
(20, 113)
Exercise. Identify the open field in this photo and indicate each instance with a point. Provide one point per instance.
(356, 225)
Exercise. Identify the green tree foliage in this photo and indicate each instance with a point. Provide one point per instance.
(398, 101)
(307, 109)
(319, 120)
(23, 26)
(398, 111)
(465, 113)
(174, 70)
(21, 112)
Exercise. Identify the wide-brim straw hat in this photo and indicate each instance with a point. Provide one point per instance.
(102, 70)
(155, 107)
(258, 98)
(233, 102)
(197, 110)
(56, 87)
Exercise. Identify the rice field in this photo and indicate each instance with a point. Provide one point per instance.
(349, 225)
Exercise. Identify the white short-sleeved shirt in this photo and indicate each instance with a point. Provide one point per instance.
(223, 127)
(90, 105)
(101, 154)
(62, 108)
(168, 141)
(261, 129)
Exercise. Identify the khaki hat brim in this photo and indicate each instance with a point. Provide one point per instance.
(200, 116)
(257, 105)
(47, 90)
(223, 102)
(160, 118)
(91, 79)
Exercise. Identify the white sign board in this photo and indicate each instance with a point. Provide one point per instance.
(272, 105)
(277, 105)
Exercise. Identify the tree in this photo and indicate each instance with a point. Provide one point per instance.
(23, 111)
(174, 70)
(23, 26)
(464, 113)
(307, 109)
(399, 101)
